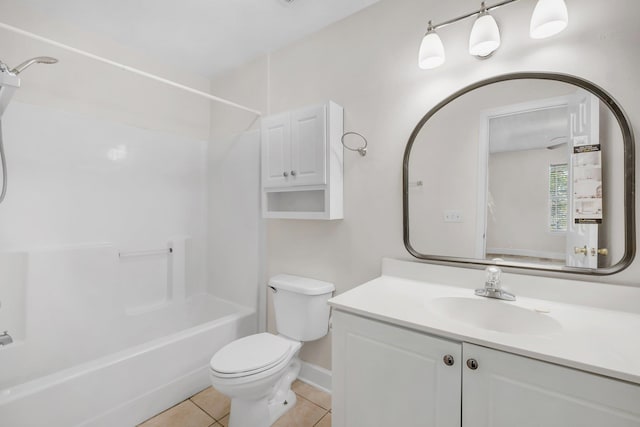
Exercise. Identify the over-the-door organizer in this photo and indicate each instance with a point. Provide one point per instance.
(302, 163)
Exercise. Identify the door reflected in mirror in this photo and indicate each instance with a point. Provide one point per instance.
(529, 172)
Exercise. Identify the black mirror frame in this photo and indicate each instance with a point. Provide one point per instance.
(629, 177)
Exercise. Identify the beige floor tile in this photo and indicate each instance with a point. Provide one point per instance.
(213, 402)
(186, 414)
(325, 421)
(304, 414)
(318, 397)
(224, 422)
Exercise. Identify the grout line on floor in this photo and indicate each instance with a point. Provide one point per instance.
(322, 418)
(314, 403)
(205, 411)
(166, 410)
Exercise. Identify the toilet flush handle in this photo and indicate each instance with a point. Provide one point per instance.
(274, 290)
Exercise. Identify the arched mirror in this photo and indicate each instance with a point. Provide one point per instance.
(530, 170)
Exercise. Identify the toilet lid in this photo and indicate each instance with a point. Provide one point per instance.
(252, 353)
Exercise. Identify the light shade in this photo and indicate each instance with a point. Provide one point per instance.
(485, 36)
(549, 18)
(431, 51)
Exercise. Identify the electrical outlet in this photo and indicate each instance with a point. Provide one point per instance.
(452, 216)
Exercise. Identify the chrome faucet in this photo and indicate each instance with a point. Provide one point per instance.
(493, 286)
(5, 338)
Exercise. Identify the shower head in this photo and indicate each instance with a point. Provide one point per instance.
(9, 80)
(37, 60)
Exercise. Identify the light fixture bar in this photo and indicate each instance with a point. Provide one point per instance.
(469, 15)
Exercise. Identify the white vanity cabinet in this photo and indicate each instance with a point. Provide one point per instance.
(388, 375)
(384, 375)
(301, 161)
(507, 390)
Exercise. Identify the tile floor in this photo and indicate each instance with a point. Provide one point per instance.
(210, 408)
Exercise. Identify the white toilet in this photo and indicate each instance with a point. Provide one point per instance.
(256, 372)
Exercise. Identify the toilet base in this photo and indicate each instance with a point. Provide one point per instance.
(278, 409)
(259, 413)
(263, 412)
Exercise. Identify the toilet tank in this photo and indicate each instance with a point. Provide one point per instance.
(300, 305)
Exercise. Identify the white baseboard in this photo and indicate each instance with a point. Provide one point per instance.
(316, 376)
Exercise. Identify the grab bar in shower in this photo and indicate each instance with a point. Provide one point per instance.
(152, 252)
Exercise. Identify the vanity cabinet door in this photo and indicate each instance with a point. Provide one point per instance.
(506, 390)
(386, 375)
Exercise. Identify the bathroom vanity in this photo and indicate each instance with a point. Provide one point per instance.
(416, 347)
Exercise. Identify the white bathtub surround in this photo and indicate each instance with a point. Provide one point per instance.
(13, 278)
(127, 386)
(588, 326)
(83, 180)
(104, 339)
(235, 229)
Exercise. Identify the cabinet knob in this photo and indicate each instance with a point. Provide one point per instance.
(472, 364)
(285, 174)
(448, 360)
(293, 173)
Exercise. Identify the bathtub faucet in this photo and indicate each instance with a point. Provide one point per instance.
(5, 338)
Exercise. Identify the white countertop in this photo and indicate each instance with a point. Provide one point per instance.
(593, 339)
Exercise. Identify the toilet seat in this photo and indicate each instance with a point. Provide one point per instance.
(252, 355)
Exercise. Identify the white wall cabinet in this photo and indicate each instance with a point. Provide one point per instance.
(388, 375)
(276, 150)
(302, 163)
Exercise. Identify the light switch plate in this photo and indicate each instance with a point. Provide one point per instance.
(452, 216)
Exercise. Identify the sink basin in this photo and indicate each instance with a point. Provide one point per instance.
(495, 315)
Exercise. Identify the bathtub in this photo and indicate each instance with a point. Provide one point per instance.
(129, 385)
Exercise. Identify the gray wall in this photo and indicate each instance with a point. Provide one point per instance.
(367, 63)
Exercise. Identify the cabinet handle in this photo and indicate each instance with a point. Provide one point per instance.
(472, 364)
(285, 174)
(293, 173)
(448, 360)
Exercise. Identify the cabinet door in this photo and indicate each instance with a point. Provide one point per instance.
(276, 150)
(389, 376)
(308, 145)
(508, 390)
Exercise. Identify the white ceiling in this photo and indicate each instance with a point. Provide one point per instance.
(204, 36)
(531, 130)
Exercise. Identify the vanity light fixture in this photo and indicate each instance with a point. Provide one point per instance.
(431, 50)
(549, 18)
(485, 35)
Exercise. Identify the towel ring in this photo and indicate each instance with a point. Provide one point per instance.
(362, 150)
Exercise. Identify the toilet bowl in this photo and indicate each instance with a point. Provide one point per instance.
(257, 371)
